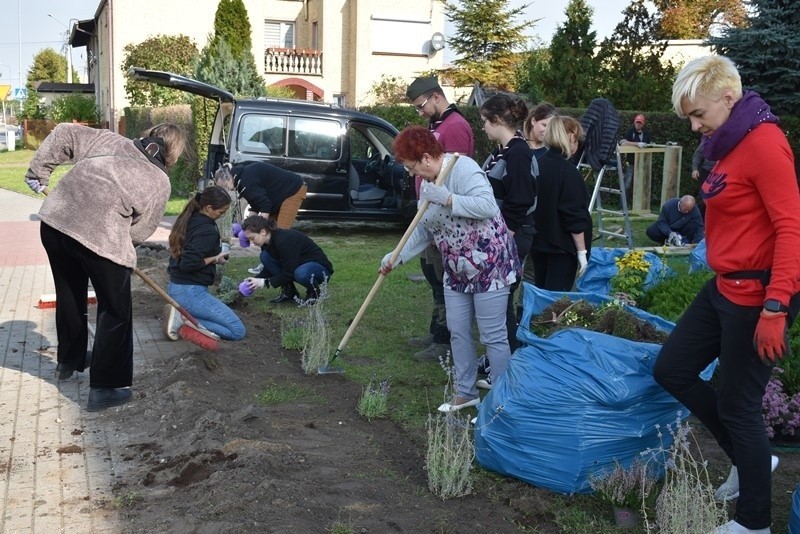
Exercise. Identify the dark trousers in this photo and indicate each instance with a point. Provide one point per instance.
(523, 239)
(433, 273)
(554, 272)
(73, 265)
(714, 327)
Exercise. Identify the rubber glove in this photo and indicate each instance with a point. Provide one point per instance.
(435, 194)
(582, 262)
(236, 229)
(243, 241)
(35, 186)
(256, 283)
(771, 339)
(641, 145)
(386, 266)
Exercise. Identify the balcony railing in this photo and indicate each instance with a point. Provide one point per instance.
(293, 61)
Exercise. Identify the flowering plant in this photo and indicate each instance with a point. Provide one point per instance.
(632, 269)
(780, 410)
(624, 487)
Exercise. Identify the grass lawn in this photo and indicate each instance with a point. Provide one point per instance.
(13, 166)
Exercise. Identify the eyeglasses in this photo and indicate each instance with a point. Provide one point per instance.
(410, 170)
(419, 107)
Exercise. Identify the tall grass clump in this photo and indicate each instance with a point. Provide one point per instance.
(374, 402)
(450, 449)
(686, 501)
(317, 344)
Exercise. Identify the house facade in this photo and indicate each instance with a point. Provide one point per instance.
(328, 50)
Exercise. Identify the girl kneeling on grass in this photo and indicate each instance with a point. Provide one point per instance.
(479, 256)
(288, 256)
(195, 251)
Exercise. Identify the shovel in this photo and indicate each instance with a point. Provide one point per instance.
(423, 206)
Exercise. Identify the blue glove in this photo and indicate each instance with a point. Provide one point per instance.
(35, 186)
(435, 194)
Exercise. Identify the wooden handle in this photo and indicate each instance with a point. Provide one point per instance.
(443, 174)
(149, 281)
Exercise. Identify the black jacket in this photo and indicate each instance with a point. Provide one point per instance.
(291, 249)
(202, 240)
(264, 186)
(563, 206)
(513, 185)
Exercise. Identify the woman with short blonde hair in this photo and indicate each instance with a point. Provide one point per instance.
(742, 315)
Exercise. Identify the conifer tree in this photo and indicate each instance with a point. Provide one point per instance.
(633, 74)
(571, 78)
(486, 41)
(766, 52)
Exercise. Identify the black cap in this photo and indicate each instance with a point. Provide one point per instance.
(420, 86)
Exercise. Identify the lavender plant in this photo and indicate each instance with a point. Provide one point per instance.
(374, 402)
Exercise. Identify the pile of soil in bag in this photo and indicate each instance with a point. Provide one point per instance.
(608, 319)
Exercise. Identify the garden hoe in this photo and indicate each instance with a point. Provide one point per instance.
(423, 206)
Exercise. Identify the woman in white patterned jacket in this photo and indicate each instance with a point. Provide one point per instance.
(479, 256)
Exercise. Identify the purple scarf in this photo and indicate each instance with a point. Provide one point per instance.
(747, 113)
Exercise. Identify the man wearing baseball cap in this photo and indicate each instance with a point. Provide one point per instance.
(635, 136)
(453, 131)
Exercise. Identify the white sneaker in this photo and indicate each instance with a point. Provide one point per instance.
(257, 269)
(732, 527)
(484, 383)
(729, 489)
(449, 407)
(171, 322)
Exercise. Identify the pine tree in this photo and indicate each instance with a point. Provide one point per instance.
(227, 61)
(486, 41)
(571, 79)
(633, 75)
(765, 52)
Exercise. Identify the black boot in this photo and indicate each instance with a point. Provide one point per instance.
(312, 293)
(288, 293)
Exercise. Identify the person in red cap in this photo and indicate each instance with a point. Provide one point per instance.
(635, 136)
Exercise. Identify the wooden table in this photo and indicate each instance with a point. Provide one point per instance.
(643, 172)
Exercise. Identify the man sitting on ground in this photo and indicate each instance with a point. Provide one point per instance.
(678, 224)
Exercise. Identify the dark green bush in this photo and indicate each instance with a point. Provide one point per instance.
(671, 297)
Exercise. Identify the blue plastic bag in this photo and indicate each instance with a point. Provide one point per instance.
(601, 268)
(794, 519)
(572, 405)
(697, 258)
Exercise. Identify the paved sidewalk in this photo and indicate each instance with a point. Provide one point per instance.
(58, 463)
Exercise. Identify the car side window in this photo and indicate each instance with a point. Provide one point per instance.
(262, 134)
(314, 139)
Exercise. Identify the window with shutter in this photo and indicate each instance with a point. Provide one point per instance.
(278, 34)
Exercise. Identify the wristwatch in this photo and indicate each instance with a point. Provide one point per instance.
(773, 305)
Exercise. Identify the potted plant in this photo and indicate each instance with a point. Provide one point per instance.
(626, 489)
(632, 271)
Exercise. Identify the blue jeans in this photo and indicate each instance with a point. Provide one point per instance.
(209, 311)
(310, 275)
(490, 311)
(712, 327)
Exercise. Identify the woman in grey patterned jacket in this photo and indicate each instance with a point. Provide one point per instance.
(109, 202)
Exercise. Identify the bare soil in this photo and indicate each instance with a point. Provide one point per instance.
(203, 455)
